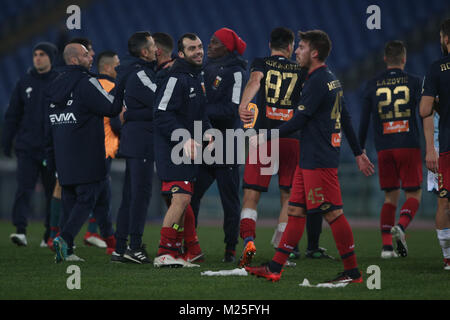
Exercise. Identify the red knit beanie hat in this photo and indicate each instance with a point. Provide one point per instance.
(231, 40)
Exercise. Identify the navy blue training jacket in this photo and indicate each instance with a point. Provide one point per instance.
(224, 82)
(77, 104)
(25, 117)
(137, 79)
(180, 100)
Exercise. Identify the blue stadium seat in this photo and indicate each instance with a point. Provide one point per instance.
(109, 23)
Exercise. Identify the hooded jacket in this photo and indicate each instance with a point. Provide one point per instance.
(180, 101)
(25, 117)
(224, 79)
(77, 104)
(136, 83)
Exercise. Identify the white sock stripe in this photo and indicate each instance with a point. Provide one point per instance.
(247, 213)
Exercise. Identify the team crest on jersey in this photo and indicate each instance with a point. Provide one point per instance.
(203, 88)
(216, 82)
(174, 189)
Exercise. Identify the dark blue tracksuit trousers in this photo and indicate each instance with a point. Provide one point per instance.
(78, 202)
(228, 185)
(136, 194)
(29, 169)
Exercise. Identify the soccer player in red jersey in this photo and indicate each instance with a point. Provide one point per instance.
(315, 189)
(437, 84)
(392, 99)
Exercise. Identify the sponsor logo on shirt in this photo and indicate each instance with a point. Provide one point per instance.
(63, 118)
(279, 114)
(336, 140)
(395, 127)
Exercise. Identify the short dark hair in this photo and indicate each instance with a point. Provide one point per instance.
(137, 42)
(191, 36)
(83, 41)
(445, 28)
(281, 38)
(318, 40)
(164, 40)
(394, 51)
(104, 55)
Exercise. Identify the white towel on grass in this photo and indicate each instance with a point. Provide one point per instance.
(322, 285)
(234, 272)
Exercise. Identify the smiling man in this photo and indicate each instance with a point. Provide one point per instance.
(224, 75)
(180, 101)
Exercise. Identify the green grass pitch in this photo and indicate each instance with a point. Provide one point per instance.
(30, 272)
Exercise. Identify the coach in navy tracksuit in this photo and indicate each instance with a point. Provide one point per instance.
(77, 105)
(224, 76)
(136, 82)
(24, 120)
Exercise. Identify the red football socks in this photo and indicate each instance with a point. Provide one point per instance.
(343, 236)
(291, 236)
(168, 242)
(387, 221)
(190, 234)
(247, 228)
(408, 212)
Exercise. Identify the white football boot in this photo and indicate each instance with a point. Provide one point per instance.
(399, 237)
(388, 254)
(19, 239)
(166, 260)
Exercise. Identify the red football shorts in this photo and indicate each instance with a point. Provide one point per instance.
(444, 175)
(289, 153)
(173, 187)
(397, 165)
(316, 190)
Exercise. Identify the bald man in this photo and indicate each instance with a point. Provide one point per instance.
(77, 54)
(77, 105)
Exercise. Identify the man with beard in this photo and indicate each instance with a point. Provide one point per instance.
(77, 105)
(315, 188)
(180, 101)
